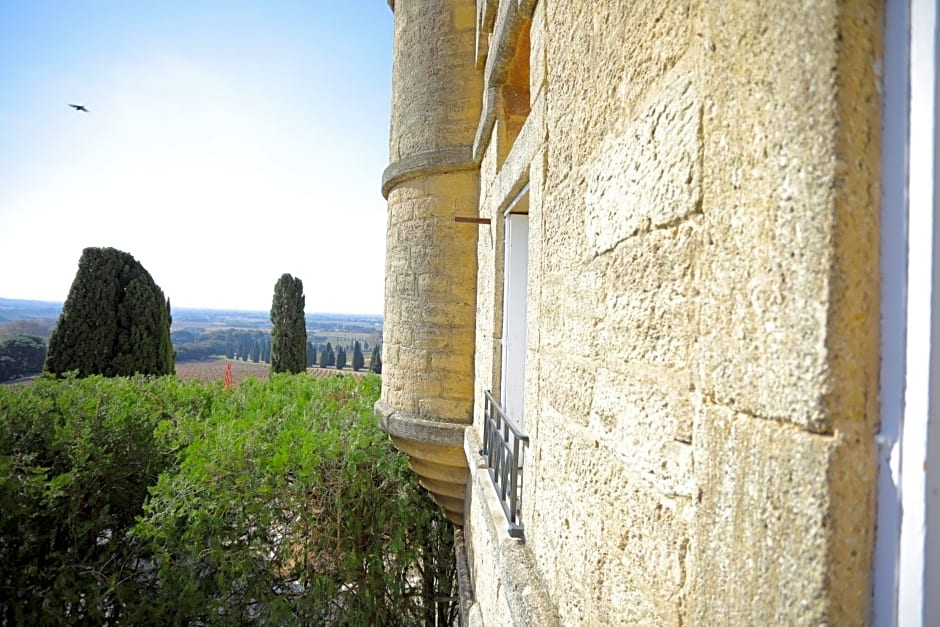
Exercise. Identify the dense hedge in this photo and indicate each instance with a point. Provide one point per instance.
(150, 500)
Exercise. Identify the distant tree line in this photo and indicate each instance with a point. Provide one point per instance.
(255, 346)
(240, 344)
(20, 355)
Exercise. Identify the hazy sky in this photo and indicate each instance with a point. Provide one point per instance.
(226, 143)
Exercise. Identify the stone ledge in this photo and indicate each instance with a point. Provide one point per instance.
(400, 424)
(436, 455)
(449, 159)
(515, 571)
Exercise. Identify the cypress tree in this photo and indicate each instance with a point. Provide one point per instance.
(115, 321)
(327, 357)
(244, 345)
(289, 331)
(376, 363)
(358, 360)
(340, 358)
(266, 348)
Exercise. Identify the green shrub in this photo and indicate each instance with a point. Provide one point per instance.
(129, 501)
(290, 505)
(76, 461)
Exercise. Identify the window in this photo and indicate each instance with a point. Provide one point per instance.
(504, 440)
(515, 275)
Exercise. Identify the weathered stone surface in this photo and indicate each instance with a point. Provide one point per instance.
(652, 316)
(432, 44)
(636, 414)
(430, 286)
(764, 519)
(702, 346)
(772, 141)
(651, 174)
(612, 550)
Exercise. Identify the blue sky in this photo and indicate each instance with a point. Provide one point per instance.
(226, 143)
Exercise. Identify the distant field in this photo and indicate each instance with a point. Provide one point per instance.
(214, 370)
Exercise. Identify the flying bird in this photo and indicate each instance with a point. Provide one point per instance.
(79, 107)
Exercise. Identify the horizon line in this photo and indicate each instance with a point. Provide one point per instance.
(60, 303)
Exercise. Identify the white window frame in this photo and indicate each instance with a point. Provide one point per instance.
(515, 300)
(907, 548)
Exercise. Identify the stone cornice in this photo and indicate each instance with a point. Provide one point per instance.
(408, 426)
(449, 159)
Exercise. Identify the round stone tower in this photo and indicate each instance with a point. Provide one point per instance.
(430, 265)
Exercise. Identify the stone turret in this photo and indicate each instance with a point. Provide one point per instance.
(430, 266)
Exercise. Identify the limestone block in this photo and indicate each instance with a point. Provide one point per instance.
(634, 414)
(488, 166)
(649, 309)
(439, 39)
(400, 212)
(444, 186)
(611, 549)
(594, 55)
(537, 35)
(567, 388)
(410, 189)
(779, 285)
(447, 410)
(568, 309)
(650, 175)
(763, 526)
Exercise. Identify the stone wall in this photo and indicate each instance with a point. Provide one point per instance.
(701, 384)
(702, 340)
(430, 267)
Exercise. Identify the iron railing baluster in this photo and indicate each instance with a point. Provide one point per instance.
(502, 448)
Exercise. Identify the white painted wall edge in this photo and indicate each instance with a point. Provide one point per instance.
(916, 593)
(895, 101)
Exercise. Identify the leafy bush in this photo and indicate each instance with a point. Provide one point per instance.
(151, 500)
(76, 461)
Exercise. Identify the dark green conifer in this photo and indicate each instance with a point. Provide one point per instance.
(358, 361)
(115, 321)
(327, 357)
(376, 363)
(289, 331)
(266, 348)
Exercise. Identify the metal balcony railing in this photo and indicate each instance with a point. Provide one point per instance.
(503, 444)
